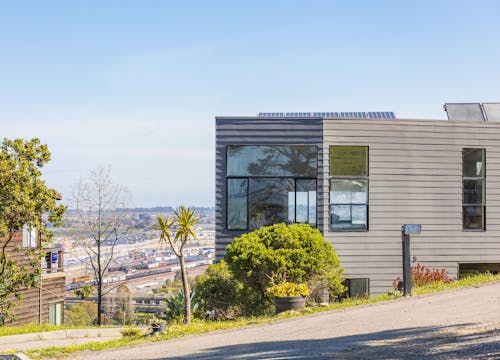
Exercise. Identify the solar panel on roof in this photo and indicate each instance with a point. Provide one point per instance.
(341, 115)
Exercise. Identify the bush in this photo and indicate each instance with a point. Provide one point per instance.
(278, 253)
(174, 309)
(218, 292)
(422, 275)
(288, 289)
(83, 314)
(131, 332)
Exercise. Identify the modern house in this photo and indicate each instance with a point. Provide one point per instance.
(358, 177)
(44, 303)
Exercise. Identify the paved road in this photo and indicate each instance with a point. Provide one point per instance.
(462, 323)
(58, 338)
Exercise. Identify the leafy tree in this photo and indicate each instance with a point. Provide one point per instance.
(83, 314)
(84, 292)
(25, 199)
(218, 291)
(99, 204)
(273, 254)
(183, 223)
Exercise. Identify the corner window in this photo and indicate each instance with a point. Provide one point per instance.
(474, 189)
(348, 188)
(29, 236)
(270, 184)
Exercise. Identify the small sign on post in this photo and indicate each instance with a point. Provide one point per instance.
(412, 228)
(406, 230)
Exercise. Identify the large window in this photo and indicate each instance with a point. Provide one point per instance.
(348, 188)
(269, 184)
(474, 189)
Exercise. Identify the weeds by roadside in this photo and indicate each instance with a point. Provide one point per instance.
(199, 326)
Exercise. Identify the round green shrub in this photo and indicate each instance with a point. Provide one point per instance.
(218, 292)
(278, 253)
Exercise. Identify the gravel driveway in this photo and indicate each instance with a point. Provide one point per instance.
(462, 323)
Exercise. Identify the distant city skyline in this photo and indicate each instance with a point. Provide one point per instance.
(136, 85)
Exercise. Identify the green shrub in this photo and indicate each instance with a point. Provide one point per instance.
(288, 289)
(174, 309)
(218, 292)
(131, 332)
(278, 253)
(83, 314)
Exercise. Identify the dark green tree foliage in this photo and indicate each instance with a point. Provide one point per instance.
(25, 199)
(275, 253)
(83, 314)
(218, 292)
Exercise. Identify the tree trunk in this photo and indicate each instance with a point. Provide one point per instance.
(99, 285)
(185, 286)
(99, 301)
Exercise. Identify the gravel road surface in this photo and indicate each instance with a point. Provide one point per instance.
(458, 324)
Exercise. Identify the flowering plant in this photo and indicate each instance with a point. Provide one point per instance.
(422, 275)
(288, 289)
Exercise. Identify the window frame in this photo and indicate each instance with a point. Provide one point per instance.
(61, 313)
(31, 231)
(247, 178)
(474, 178)
(350, 177)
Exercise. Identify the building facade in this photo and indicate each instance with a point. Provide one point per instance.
(358, 178)
(45, 302)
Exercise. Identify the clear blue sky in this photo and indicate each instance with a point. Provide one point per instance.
(136, 84)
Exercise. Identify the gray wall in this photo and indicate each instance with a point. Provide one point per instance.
(415, 169)
(248, 131)
(415, 176)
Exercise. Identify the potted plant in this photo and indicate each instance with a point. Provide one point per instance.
(288, 296)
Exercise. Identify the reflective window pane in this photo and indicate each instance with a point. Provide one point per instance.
(340, 191)
(272, 160)
(473, 217)
(237, 204)
(473, 162)
(269, 201)
(348, 217)
(306, 201)
(473, 192)
(359, 191)
(359, 216)
(348, 160)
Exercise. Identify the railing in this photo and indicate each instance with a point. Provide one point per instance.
(53, 261)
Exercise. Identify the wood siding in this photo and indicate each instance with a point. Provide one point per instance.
(256, 131)
(35, 300)
(415, 176)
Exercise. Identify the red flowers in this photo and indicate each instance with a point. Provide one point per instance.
(422, 275)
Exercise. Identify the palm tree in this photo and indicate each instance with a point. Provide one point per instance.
(184, 225)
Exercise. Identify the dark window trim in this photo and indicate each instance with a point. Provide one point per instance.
(269, 177)
(475, 178)
(307, 177)
(358, 278)
(317, 146)
(227, 201)
(347, 177)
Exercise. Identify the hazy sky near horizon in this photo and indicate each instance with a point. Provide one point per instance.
(137, 84)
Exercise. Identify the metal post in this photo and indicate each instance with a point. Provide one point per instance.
(406, 263)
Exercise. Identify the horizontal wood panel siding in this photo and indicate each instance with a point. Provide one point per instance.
(415, 171)
(259, 131)
(27, 310)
